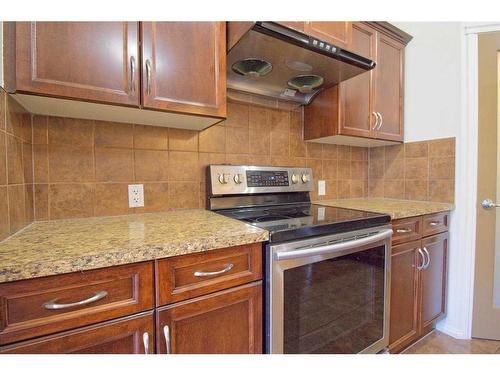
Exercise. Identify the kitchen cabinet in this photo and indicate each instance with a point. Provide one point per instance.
(366, 110)
(133, 335)
(418, 279)
(158, 72)
(183, 67)
(228, 322)
(97, 61)
(210, 301)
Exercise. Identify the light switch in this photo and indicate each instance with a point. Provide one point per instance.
(321, 187)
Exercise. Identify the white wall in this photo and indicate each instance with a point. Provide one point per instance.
(432, 80)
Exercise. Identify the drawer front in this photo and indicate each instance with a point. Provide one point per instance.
(406, 230)
(131, 335)
(193, 275)
(435, 223)
(32, 308)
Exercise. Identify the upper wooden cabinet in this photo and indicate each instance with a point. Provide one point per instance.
(184, 67)
(366, 109)
(81, 60)
(180, 70)
(337, 33)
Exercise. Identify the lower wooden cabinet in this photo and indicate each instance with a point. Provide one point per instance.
(131, 335)
(228, 322)
(418, 286)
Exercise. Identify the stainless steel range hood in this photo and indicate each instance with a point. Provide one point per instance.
(278, 62)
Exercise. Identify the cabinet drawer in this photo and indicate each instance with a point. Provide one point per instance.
(36, 307)
(131, 335)
(435, 223)
(193, 275)
(406, 230)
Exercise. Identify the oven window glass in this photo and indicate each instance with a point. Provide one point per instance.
(335, 305)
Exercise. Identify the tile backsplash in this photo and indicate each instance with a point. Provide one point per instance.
(82, 167)
(422, 171)
(55, 168)
(16, 167)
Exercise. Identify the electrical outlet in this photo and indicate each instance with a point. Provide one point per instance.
(321, 187)
(136, 195)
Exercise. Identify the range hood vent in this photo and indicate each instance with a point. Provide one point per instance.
(275, 61)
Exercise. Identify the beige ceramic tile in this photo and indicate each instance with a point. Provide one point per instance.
(3, 159)
(150, 137)
(279, 120)
(314, 150)
(112, 134)
(443, 167)
(213, 139)
(183, 166)
(4, 212)
(237, 140)
(184, 194)
(182, 140)
(259, 142)
(442, 147)
(114, 164)
(416, 149)
(297, 145)
(17, 213)
(71, 200)
(68, 131)
(15, 170)
(280, 143)
(111, 199)
(416, 190)
(40, 130)
(41, 202)
(156, 198)
(151, 165)
(237, 115)
(417, 168)
(70, 164)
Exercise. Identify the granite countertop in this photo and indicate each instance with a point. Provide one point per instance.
(62, 246)
(397, 209)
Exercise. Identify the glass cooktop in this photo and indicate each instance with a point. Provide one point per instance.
(297, 221)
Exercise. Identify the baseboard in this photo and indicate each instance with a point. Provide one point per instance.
(452, 331)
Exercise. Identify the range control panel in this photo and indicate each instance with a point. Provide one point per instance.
(244, 179)
(267, 178)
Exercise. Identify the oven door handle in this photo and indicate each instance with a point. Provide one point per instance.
(327, 249)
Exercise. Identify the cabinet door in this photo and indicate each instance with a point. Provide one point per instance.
(389, 88)
(184, 67)
(95, 61)
(356, 94)
(404, 297)
(133, 335)
(337, 33)
(433, 280)
(226, 322)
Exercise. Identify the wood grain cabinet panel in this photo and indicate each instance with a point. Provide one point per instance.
(389, 88)
(433, 280)
(184, 67)
(356, 94)
(337, 33)
(404, 295)
(188, 276)
(131, 335)
(228, 322)
(36, 307)
(95, 61)
(435, 223)
(405, 230)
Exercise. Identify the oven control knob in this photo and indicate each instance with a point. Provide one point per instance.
(306, 178)
(295, 178)
(223, 178)
(238, 178)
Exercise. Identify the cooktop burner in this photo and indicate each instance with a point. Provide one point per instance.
(295, 221)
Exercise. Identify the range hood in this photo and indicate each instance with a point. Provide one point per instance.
(275, 61)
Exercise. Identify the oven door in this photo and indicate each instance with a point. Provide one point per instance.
(330, 294)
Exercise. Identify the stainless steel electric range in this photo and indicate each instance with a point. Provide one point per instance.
(327, 270)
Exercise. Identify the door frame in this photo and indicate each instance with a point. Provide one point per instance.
(458, 322)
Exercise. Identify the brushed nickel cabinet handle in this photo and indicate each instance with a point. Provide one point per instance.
(434, 223)
(423, 259)
(226, 268)
(376, 120)
(166, 332)
(427, 264)
(145, 340)
(405, 230)
(381, 120)
(132, 74)
(52, 305)
(148, 76)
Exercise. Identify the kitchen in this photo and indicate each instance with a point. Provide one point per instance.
(156, 200)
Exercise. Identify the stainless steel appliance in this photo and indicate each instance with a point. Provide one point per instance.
(327, 269)
(276, 61)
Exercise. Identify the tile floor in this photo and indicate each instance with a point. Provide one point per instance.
(439, 343)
